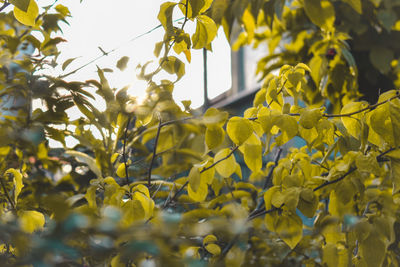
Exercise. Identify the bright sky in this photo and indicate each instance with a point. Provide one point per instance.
(111, 24)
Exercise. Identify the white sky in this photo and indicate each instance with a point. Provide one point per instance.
(111, 24)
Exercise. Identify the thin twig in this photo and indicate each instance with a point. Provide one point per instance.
(186, 14)
(369, 107)
(154, 153)
(268, 179)
(352, 169)
(6, 193)
(124, 149)
(4, 6)
(224, 158)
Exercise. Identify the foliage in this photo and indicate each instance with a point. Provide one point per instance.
(164, 186)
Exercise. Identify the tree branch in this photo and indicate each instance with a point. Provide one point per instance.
(4, 6)
(224, 158)
(7, 195)
(352, 169)
(154, 153)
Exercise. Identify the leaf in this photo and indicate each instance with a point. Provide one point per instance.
(21, 4)
(239, 129)
(355, 4)
(17, 181)
(215, 116)
(218, 9)
(84, 158)
(213, 249)
(91, 197)
(121, 170)
(201, 193)
(165, 16)
(353, 122)
(395, 174)
(373, 249)
(214, 136)
(227, 166)
(194, 178)
(31, 220)
(309, 118)
(141, 194)
(206, 30)
(290, 229)
(29, 16)
(67, 62)
(122, 63)
(173, 65)
(289, 128)
(252, 152)
(209, 239)
(321, 13)
(381, 58)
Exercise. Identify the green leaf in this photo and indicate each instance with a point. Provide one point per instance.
(355, 4)
(373, 250)
(84, 158)
(321, 13)
(381, 57)
(165, 16)
(173, 65)
(67, 62)
(239, 129)
(227, 166)
(17, 180)
(21, 4)
(29, 16)
(31, 220)
(218, 9)
(122, 63)
(206, 30)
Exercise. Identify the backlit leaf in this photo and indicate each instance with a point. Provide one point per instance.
(122, 63)
(173, 65)
(29, 16)
(165, 16)
(17, 181)
(21, 4)
(353, 122)
(206, 30)
(214, 136)
(321, 13)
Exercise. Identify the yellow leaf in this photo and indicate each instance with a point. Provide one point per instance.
(310, 117)
(209, 239)
(206, 30)
(353, 122)
(214, 136)
(91, 197)
(214, 116)
(213, 249)
(239, 129)
(228, 165)
(116, 262)
(165, 16)
(395, 174)
(132, 211)
(31, 220)
(201, 193)
(252, 152)
(17, 180)
(121, 170)
(27, 18)
(194, 178)
(249, 25)
(289, 128)
(373, 250)
(290, 229)
(173, 65)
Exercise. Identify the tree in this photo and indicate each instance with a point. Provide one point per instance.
(162, 185)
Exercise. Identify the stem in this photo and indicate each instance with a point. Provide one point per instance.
(224, 158)
(124, 150)
(4, 6)
(7, 195)
(154, 153)
(352, 169)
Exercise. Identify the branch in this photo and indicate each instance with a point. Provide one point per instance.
(124, 149)
(186, 14)
(7, 195)
(369, 107)
(352, 169)
(224, 158)
(268, 179)
(4, 6)
(154, 153)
